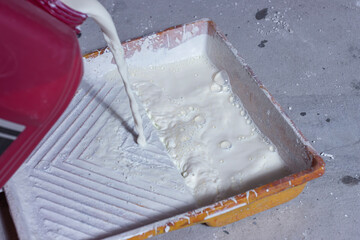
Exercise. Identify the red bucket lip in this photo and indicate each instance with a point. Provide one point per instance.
(62, 12)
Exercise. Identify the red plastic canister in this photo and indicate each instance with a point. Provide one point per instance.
(40, 70)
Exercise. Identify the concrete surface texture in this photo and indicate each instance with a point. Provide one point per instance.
(307, 53)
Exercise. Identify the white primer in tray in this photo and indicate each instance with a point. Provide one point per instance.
(203, 125)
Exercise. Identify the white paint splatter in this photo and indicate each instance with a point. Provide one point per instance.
(221, 212)
(327, 155)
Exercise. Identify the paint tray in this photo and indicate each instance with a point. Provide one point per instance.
(79, 184)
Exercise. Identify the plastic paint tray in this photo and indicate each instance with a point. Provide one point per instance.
(62, 193)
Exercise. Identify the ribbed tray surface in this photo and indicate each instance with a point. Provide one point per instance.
(88, 178)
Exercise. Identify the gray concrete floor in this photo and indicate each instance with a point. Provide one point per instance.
(310, 63)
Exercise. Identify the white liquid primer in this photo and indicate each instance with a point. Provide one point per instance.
(102, 17)
(203, 125)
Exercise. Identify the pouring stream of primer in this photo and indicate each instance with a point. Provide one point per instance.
(101, 16)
